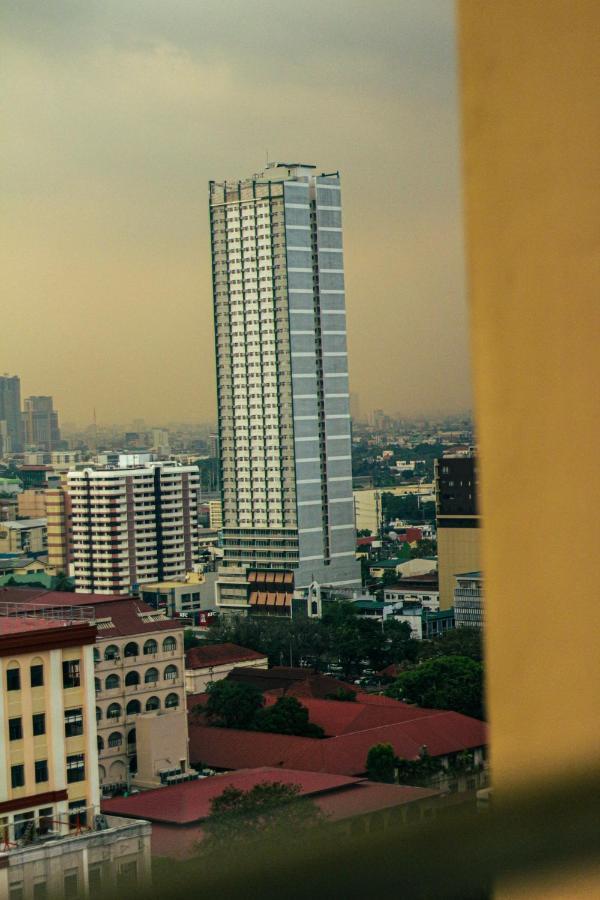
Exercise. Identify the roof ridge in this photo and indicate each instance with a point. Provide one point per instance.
(392, 724)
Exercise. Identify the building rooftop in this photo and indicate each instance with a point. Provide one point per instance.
(24, 524)
(220, 654)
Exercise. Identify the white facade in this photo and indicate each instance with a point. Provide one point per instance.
(131, 526)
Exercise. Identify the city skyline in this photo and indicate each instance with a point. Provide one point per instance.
(108, 245)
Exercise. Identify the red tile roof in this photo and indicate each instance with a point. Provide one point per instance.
(368, 796)
(190, 801)
(219, 654)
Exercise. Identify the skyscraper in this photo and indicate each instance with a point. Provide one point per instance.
(282, 374)
(40, 423)
(458, 521)
(10, 412)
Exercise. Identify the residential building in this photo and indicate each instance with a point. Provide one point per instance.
(352, 805)
(182, 597)
(425, 623)
(40, 423)
(54, 843)
(132, 525)
(10, 413)
(368, 503)
(421, 589)
(458, 521)
(31, 504)
(59, 526)
(282, 374)
(203, 665)
(24, 536)
(139, 665)
(64, 460)
(215, 515)
(468, 600)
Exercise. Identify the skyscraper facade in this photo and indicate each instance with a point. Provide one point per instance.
(10, 413)
(282, 374)
(40, 423)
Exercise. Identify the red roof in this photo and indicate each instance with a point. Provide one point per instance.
(190, 801)
(369, 796)
(219, 654)
(346, 753)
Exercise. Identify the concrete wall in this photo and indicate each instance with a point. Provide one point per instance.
(459, 550)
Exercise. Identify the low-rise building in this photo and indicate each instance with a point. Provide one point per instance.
(415, 588)
(31, 504)
(468, 600)
(182, 597)
(24, 536)
(203, 665)
(53, 841)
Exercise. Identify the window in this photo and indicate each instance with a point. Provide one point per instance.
(73, 722)
(150, 647)
(171, 673)
(115, 739)
(16, 891)
(100, 743)
(95, 879)
(127, 873)
(172, 701)
(132, 678)
(75, 768)
(71, 884)
(113, 711)
(40, 890)
(98, 714)
(131, 737)
(17, 776)
(13, 679)
(131, 649)
(37, 676)
(152, 703)
(45, 817)
(23, 823)
(151, 676)
(15, 729)
(134, 707)
(77, 814)
(169, 644)
(111, 652)
(112, 682)
(39, 723)
(41, 771)
(71, 673)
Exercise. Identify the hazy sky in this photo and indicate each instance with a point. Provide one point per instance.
(116, 115)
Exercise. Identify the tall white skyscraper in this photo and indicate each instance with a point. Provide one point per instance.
(282, 374)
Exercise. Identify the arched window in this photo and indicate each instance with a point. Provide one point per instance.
(131, 738)
(111, 652)
(171, 673)
(152, 703)
(113, 711)
(98, 714)
(132, 678)
(97, 685)
(131, 649)
(13, 676)
(113, 681)
(96, 655)
(150, 647)
(151, 676)
(169, 644)
(115, 739)
(133, 764)
(172, 700)
(134, 707)
(100, 741)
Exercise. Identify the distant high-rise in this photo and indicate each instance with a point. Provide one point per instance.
(10, 413)
(282, 374)
(131, 526)
(40, 423)
(457, 521)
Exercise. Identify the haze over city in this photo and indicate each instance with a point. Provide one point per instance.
(105, 238)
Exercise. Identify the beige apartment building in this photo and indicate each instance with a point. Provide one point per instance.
(50, 842)
(58, 509)
(31, 504)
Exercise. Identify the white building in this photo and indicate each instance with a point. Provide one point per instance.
(133, 526)
(282, 374)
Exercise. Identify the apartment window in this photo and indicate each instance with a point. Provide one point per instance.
(13, 679)
(41, 771)
(17, 776)
(37, 676)
(77, 814)
(75, 768)
(71, 673)
(73, 722)
(71, 884)
(15, 729)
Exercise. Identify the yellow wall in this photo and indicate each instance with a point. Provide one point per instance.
(458, 552)
(531, 141)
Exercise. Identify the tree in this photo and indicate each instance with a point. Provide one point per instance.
(448, 682)
(63, 583)
(455, 642)
(190, 639)
(286, 716)
(381, 763)
(270, 810)
(425, 547)
(232, 705)
(342, 695)
(419, 772)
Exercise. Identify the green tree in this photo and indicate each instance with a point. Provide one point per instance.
(232, 704)
(286, 716)
(190, 639)
(64, 583)
(268, 811)
(381, 763)
(342, 695)
(420, 772)
(425, 547)
(455, 642)
(447, 682)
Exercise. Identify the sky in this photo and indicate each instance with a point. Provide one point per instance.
(117, 113)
